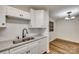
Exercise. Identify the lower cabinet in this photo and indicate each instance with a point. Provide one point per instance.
(30, 48)
(42, 46)
(5, 52)
(18, 50)
(33, 48)
(36, 47)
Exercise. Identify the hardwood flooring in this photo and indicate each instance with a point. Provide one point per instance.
(59, 46)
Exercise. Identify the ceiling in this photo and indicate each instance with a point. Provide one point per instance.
(57, 11)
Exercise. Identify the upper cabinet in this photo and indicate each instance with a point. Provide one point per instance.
(2, 17)
(25, 15)
(14, 12)
(11, 12)
(37, 18)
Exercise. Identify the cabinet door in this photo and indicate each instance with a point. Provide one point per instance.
(11, 11)
(39, 18)
(34, 48)
(2, 16)
(33, 18)
(30, 48)
(5, 52)
(42, 45)
(25, 15)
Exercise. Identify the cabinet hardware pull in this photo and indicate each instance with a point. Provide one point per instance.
(28, 52)
(20, 15)
(3, 23)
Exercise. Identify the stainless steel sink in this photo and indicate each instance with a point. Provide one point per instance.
(27, 39)
(23, 40)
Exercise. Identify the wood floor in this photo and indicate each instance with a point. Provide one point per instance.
(59, 46)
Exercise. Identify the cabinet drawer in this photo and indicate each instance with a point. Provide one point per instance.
(19, 49)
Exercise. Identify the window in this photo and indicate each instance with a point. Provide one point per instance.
(51, 26)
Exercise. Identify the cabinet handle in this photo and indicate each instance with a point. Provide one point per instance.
(28, 52)
(3, 23)
(20, 15)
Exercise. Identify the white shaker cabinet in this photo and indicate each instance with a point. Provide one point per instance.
(34, 48)
(33, 18)
(2, 16)
(42, 45)
(30, 48)
(25, 15)
(19, 49)
(37, 18)
(14, 12)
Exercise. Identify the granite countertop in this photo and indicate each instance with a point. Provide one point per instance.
(10, 44)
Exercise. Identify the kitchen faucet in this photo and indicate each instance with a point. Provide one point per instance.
(23, 33)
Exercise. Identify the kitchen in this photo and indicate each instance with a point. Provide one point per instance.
(21, 32)
(39, 29)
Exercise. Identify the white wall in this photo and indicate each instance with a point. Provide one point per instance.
(68, 30)
(52, 34)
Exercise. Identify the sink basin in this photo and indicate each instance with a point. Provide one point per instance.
(17, 41)
(27, 39)
(23, 40)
